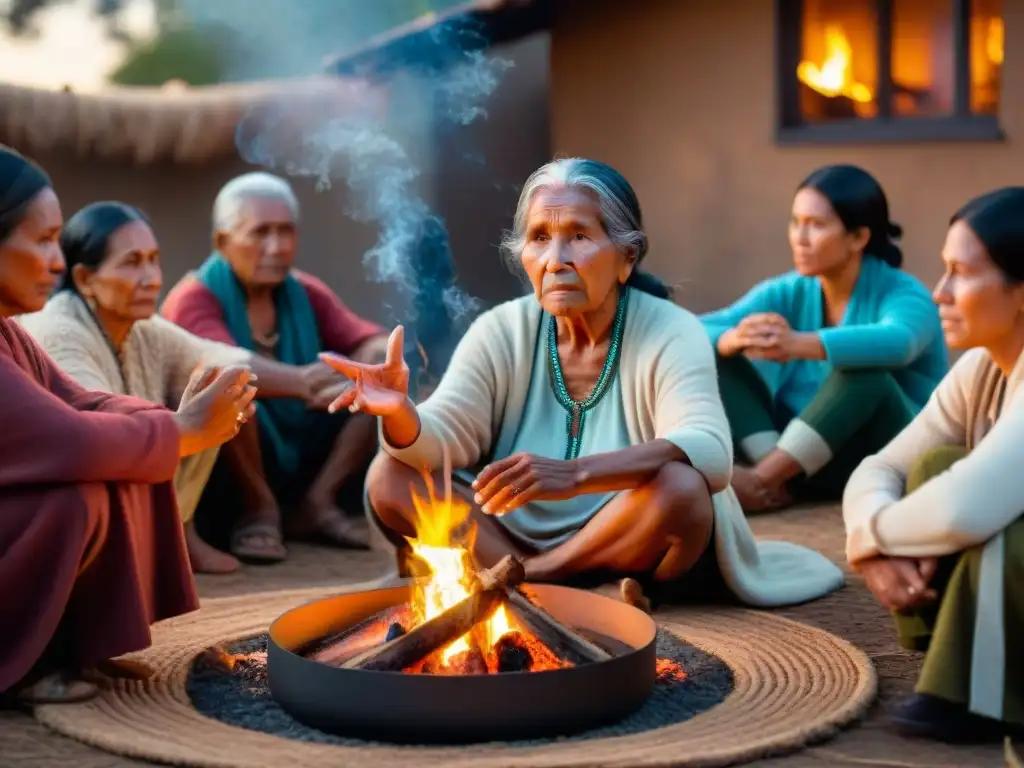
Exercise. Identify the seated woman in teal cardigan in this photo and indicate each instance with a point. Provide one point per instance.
(822, 366)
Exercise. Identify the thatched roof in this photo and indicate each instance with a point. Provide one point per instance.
(175, 124)
(435, 40)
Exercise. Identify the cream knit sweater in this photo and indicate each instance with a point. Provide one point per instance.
(670, 391)
(969, 505)
(158, 357)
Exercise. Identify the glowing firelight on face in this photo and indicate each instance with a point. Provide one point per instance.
(444, 540)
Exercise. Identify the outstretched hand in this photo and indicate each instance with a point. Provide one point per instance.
(379, 389)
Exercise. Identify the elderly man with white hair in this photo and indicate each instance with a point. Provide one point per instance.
(296, 458)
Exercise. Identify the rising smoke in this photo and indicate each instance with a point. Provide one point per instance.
(365, 149)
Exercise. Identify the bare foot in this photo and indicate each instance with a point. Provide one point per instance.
(204, 557)
(628, 591)
(753, 494)
(633, 594)
(322, 521)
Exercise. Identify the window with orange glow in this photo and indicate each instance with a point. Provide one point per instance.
(915, 62)
(986, 55)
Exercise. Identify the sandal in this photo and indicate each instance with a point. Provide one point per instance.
(56, 688)
(335, 530)
(258, 543)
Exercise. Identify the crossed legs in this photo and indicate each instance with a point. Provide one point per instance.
(660, 528)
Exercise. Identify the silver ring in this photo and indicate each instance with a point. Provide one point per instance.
(515, 490)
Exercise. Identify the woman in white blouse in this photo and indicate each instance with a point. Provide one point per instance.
(933, 521)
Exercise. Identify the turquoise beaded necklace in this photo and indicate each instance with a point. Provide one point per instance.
(576, 410)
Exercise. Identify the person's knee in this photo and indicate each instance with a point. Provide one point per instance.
(1013, 544)
(388, 484)
(90, 503)
(864, 380)
(681, 498)
(933, 462)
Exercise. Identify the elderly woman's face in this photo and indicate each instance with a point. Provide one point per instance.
(30, 259)
(977, 306)
(127, 284)
(573, 265)
(262, 245)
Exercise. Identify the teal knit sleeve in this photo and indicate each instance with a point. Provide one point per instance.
(772, 295)
(907, 325)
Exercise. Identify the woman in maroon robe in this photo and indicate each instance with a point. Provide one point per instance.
(91, 545)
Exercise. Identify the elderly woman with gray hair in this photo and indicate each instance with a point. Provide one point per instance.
(248, 294)
(583, 421)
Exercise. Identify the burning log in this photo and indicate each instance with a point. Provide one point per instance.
(468, 662)
(562, 640)
(424, 639)
(512, 654)
(351, 641)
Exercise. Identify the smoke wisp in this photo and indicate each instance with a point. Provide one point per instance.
(446, 84)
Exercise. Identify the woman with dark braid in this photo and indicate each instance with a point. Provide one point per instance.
(934, 520)
(103, 330)
(91, 546)
(822, 366)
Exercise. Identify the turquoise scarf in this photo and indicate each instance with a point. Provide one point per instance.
(280, 419)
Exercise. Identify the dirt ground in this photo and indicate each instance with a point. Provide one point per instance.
(851, 613)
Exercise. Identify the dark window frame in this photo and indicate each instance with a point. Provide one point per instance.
(790, 129)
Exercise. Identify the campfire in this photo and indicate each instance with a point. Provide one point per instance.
(461, 620)
(461, 653)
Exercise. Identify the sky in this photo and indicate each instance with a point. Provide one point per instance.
(71, 48)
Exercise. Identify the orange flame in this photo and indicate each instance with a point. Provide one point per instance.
(994, 34)
(835, 75)
(444, 540)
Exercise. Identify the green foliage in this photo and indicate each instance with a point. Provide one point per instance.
(197, 55)
(186, 54)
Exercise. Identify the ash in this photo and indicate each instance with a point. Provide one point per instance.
(230, 685)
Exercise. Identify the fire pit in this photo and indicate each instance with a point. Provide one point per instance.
(465, 704)
(460, 654)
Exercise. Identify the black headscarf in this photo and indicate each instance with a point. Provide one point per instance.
(20, 181)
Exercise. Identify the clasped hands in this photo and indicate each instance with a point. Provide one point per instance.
(768, 336)
(900, 583)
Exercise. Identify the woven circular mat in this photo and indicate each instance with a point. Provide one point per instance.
(794, 684)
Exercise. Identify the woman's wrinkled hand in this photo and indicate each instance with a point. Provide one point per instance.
(521, 478)
(900, 583)
(214, 406)
(380, 389)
